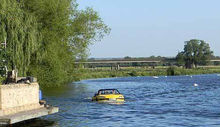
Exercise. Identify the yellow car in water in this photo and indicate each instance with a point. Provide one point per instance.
(108, 95)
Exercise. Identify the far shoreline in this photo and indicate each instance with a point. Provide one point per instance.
(99, 73)
(144, 76)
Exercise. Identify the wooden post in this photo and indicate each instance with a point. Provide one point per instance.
(118, 67)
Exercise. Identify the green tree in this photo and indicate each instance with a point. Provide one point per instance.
(67, 32)
(54, 63)
(45, 37)
(127, 57)
(20, 30)
(196, 52)
(86, 28)
(180, 59)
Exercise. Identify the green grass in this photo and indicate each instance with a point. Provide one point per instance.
(103, 72)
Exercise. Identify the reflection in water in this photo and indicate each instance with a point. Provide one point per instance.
(35, 123)
(111, 102)
(149, 102)
(65, 90)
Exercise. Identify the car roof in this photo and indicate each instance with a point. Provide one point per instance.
(106, 89)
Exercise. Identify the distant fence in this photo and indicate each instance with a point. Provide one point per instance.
(132, 63)
(117, 63)
(113, 62)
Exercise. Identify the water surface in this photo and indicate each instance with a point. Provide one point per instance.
(150, 102)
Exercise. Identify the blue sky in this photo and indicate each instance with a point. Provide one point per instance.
(142, 28)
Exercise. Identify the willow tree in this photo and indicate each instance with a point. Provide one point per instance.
(20, 30)
(44, 37)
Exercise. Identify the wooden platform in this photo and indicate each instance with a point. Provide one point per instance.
(27, 115)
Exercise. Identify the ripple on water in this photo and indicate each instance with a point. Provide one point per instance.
(150, 102)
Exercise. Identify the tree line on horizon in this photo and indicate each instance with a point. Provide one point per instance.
(195, 52)
(45, 37)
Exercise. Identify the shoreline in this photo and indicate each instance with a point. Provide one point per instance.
(89, 74)
(218, 74)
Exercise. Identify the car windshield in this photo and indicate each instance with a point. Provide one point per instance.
(109, 91)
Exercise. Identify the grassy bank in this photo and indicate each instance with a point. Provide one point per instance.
(106, 72)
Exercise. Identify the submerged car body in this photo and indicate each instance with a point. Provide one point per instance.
(108, 95)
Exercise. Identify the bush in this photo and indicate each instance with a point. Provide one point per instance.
(133, 73)
(171, 71)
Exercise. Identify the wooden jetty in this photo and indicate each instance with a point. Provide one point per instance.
(26, 115)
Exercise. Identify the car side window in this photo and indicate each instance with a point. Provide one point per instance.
(116, 92)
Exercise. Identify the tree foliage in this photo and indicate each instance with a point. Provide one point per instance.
(20, 30)
(44, 37)
(196, 52)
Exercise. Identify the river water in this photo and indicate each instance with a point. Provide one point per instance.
(150, 102)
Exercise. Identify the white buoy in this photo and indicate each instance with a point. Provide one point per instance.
(155, 77)
(195, 84)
